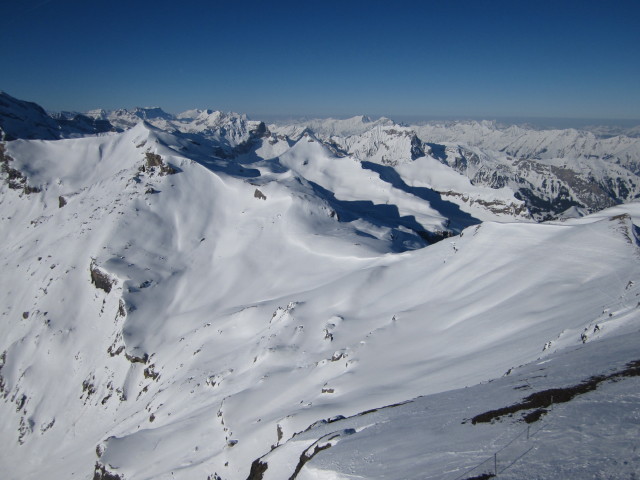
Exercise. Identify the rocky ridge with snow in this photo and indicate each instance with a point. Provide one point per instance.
(555, 173)
(551, 170)
(226, 301)
(28, 120)
(230, 133)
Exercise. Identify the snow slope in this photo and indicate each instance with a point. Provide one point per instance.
(168, 312)
(209, 348)
(433, 437)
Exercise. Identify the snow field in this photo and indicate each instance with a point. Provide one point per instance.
(241, 311)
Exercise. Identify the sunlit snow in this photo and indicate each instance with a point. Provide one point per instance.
(221, 308)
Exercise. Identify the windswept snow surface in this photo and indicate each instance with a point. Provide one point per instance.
(595, 435)
(168, 312)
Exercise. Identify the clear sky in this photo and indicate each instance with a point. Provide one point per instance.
(521, 58)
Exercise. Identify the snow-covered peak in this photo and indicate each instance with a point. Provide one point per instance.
(330, 127)
(385, 144)
(149, 113)
(22, 119)
(125, 119)
(214, 119)
(531, 143)
(99, 113)
(225, 130)
(190, 115)
(229, 302)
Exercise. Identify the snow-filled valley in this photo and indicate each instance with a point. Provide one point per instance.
(205, 296)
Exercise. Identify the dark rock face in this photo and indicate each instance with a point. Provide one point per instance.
(155, 161)
(15, 179)
(417, 150)
(260, 131)
(100, 279)
(547, 190)
(257, 470)
(28, 120)
(21, 119)
(83, 125)
(539, 401)
(101, 473)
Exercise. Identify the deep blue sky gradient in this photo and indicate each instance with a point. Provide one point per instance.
(490, 59)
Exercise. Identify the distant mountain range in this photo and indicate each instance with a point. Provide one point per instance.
(205, 296)
(549, 174)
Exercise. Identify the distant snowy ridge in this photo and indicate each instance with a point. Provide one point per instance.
(228, 130)
(553, 173)
(530, 143)
(556, 173)
(548, 187)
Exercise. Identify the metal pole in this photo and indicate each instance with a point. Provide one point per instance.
(528, 428)
(495, 463)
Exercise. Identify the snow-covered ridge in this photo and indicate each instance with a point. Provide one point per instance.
(535, 144)
(186, 305)
(553, 173)
(21, 119)
(331, 127)
(227, 129)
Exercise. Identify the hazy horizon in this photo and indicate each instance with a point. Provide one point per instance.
(548, 122)
(535, 122)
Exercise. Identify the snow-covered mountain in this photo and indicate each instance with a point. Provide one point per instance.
(554, 173)
(241, 302)
(531, 143)
(550, 174)
(231, 133)
(21, 119)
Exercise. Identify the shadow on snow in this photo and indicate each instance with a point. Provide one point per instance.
(458, 219)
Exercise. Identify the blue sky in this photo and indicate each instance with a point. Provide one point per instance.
(569, 59)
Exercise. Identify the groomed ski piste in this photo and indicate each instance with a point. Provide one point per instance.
(171, 314)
